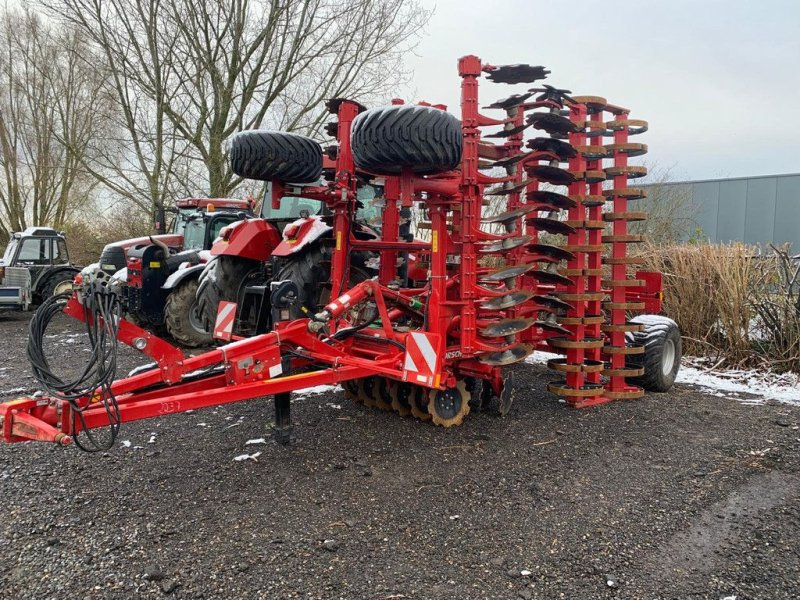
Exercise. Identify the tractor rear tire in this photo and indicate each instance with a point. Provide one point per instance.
(221, 280)
(56, 284)
(422, 138)
(311, 271)
(268, 155)
(182, 317)
(662, 352)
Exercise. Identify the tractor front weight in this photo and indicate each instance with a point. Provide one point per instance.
(522, 246)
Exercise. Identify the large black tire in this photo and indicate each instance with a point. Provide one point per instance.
(268, 155)
(425, 139)
(182, 317)
(311, 271)
(221, 280)
(662, 352)
(56, 283)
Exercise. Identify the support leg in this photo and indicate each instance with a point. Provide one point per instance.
(283, 418)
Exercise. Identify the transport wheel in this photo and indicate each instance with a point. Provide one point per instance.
(57, 283)
(662, 352)
(449, 407)
(419, 403)
(422, 138)
(221, 280)
(380, 394)
(182, 316)
(267, 155)
(400, 392)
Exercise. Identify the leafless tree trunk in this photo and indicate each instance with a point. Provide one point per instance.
(47, 104)
(190, 73)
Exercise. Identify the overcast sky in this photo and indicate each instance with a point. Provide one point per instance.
(718, 80)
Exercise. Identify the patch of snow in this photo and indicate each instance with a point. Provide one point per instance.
(126, 443)
(121, 275)
(255, 441)
(253, 457)
(762, 385)
(335, 406)
(759, 386)
(315, 390)
(152, 439)
(12, 391)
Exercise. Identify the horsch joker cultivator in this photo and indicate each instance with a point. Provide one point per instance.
(526, 248)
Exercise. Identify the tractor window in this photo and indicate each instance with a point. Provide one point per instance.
(218, 224)
(290, 209)
(34, 251)
(194, 234)
(9, 253)
(60, 255)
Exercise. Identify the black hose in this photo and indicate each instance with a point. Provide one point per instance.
(102, 313)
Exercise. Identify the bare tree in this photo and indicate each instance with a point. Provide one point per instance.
(671, 214)
(47, 104)
(190, 73)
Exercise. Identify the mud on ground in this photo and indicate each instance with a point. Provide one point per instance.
(680, 495)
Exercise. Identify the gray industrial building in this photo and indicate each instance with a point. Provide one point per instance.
(754, 210)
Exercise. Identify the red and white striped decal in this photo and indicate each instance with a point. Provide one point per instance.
(422, 360)
(226, 313)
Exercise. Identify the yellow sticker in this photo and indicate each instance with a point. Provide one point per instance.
(338, 240)
(154, 264)
(435, 241)
(436, 380)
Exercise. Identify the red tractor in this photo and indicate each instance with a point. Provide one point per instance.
(161, 272)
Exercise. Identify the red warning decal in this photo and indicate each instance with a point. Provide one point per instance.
(226, 313)
(422, 360)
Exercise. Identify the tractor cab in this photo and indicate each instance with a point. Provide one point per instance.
(200, 220)
(35, 265)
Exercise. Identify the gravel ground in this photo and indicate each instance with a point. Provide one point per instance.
(680, 495)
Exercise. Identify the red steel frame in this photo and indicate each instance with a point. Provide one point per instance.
(248, 368)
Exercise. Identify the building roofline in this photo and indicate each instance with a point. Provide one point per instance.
(720, 179)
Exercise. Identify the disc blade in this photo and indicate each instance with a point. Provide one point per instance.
(507, 188)
(508, 272)
(506, 357)
(552, 302)
(552, 327)
(549, 174)
(505, 245)
(560, 148)
(552, 123)
(507, 301)
(550, 277)
(508, 216)
(553, 252)
(511, 101)
(517, 74)
(557, 201)
(504, 133)
(551, 225)
(506, 327)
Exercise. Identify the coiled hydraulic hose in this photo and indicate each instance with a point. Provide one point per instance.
(102, 312)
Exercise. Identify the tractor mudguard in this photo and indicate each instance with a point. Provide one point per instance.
(175, 279)
(299, 234)
(47, 273)
(252, 238)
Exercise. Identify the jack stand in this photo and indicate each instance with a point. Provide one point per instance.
(283, 418)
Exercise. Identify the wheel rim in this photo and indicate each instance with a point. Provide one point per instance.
(195, 319)
(668, 357)
(62, 288)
